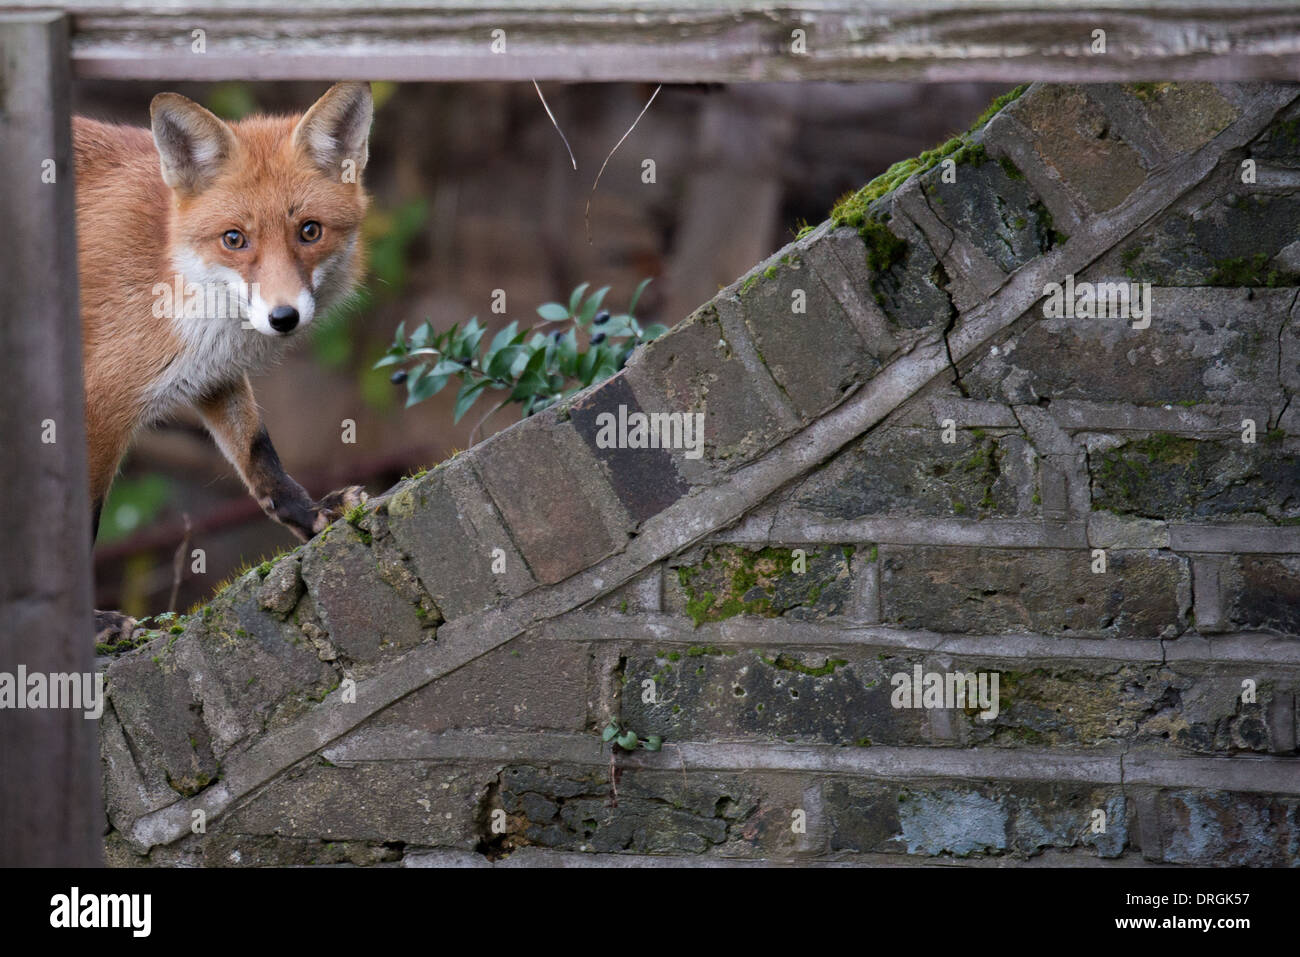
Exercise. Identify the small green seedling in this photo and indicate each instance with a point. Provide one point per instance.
(629, 740)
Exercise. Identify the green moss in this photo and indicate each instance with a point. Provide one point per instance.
(1249, 271)
(769, 272)
(699, 651)
(996, 107)
(738, 581)
(263, 569)
(973, 155)
(748, 284)
(674, 656)
(1148, 92)
(1044, 216)
(1011, 169)
(786, 662)
(884, 249)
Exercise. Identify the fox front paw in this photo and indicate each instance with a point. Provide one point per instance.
(113, 627)
(337, 504)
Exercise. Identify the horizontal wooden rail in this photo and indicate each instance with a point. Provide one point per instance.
(682, 41)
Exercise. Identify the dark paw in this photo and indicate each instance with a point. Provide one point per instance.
(337, 504)
(113, 627)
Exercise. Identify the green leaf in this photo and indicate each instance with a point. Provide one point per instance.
(587, 364)
(428, 386)
(552, 312)
(446, 367)
(566, 354)
(420, 337)
(503, 361)
(610, 732)
(592, 306)
(469, 391)
(636, 296)
(653, 743)
(388, 360)
(576, 297)
(654, 331)
(627, 741)
(502, 339)
(531, 380)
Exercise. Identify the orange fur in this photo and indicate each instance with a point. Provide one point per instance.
(133, 229)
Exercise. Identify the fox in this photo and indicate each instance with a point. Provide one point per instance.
(204, 248)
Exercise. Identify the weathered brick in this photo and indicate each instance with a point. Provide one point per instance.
(912, 471)
(1073, 136)
(730, 580)
(993, 207)
(694, 369)
(1227, 234)
(571, 808)
(1215, 346)
(816, 355)
(1174, 477)
(645, 479)
(1225, 828)
(554, 498)
(412, 802)
(163, 722)
(1264, 592)
(525, 683)
(961, 820)
(1050, 591)
(363, 615)
(451, 541)
(1185, 115)
(255, 672)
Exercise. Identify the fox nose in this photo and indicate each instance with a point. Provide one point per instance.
(284, 318)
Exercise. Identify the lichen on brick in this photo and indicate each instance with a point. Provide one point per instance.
(731, 581)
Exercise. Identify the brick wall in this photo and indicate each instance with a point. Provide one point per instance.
(914, 474)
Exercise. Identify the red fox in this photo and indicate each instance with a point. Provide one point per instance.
(203, 248)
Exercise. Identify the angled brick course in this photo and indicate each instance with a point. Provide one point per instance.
(906, 469)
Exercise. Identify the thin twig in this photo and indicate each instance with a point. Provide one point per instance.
(587, 215)
(491, 412)
(555, 124)
(178, 563)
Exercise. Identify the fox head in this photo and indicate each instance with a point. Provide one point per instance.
(268, 207)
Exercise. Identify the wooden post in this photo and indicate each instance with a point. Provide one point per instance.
(50, 806)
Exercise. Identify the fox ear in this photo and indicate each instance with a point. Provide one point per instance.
(337, 128)
(192, 143)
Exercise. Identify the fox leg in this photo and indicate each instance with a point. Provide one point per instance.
(111, 627)
(231, 416)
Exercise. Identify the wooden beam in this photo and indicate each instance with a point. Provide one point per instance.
(50, 807)
(683, 41)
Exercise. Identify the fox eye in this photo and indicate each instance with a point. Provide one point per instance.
(310, 231)
(233, 239)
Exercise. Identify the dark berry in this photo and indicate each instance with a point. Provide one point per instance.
(602, 317)
(598, 338)
(398, 377)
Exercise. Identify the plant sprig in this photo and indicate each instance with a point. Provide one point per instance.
(629, 740)
(536, 367)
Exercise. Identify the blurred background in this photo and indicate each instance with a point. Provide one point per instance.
(473, 191)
